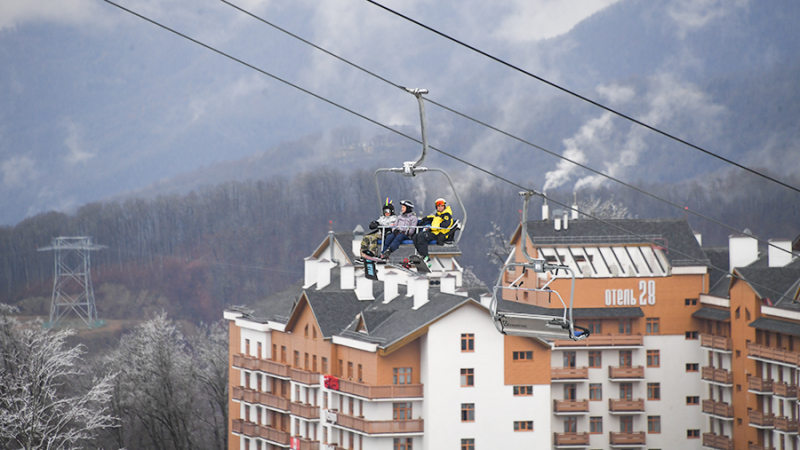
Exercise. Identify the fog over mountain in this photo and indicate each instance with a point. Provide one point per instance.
(96, 103)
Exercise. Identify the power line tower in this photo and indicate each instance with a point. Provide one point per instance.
(72, 285)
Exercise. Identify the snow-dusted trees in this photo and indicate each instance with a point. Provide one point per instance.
(599, 208)
(171, 392)
(42, 405)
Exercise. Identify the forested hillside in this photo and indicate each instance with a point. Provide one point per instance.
(233, 243)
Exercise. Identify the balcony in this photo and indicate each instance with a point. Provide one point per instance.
(607, 340)
(718, 376)
(756, 351)
(571, 406)
(569, 373)
(786, 425)
(373, 427)
(305, 411)
(783, 389)
(625, 373)
(304, 376)
(758, 419)
(718, 343)
(717, 441)
(252, 429)
(261, 398)
(264, 365)
(375, 392)
(759, 447)
(718, 409)
(632, 438)
(625, 406)
(306, 444)
(758, 385)
(571, 439)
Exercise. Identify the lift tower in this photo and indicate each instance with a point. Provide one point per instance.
(72, 285)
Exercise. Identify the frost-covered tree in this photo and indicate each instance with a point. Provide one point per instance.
(210, 348)
(598, 208)
(499, 245)
(42, 403)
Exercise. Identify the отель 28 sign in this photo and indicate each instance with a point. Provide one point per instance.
(627, 297)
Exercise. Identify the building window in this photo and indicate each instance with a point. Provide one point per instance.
(626, 424)
(306, 332)
(595, 358)
(626, 391)
(467, 342)
(401, 411)
(305, 366)
(595, 425)
(691, 302)
(523, 356)
(624, 326)
(401, 375)
(654, 391)
(324, 365)
(693, 400)
(468, 412)
(523, 390)
(654, 424)
(571, 425)
(467, 377)
(468, 444)
(691, 335)
(247, 347)
(259, 350)
(653, 358)
(283, 354)
(297, 359)
(314, 363)
(692, 367)
(570, 390)
(651, 326)
(523, 425)
(692, 434)
(569, 359)
(402, 444)
(341, 368)
(314, 332)
(595, 391)
(349, 370)
(625, 358)
(595, 327)
(360, 373)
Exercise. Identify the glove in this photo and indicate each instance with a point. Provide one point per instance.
(373, 225)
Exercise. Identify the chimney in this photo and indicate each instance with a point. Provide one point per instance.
(324, 273)
(574, 206)
(420, 291)
(742, 249)
(358, 235)
(557, 219)
(310, 272)
(486, 300)
(364, 287)
(545, 209)
(390, 282)
(566, 220)
(347, 275)
(781, 256)
(448, 284)
(699, 238)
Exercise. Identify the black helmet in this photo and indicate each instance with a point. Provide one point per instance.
(388, 206)
(408, 204)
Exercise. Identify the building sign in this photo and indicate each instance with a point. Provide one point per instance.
(331, 382)
(646, 295)
(330, 416)
(295, 443)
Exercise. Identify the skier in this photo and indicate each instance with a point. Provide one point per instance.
(404, 228)
(441, 224)
(369, 244)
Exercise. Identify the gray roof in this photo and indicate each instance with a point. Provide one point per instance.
(719, 280)
(774, 283)
(675, 234)
(712, 314)
(777, 326)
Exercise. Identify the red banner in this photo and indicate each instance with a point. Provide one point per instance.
(331, 382)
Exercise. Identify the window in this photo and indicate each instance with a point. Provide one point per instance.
(692, 367)
(654, 424)
(654, 391)
(468, 444)
(402, 444)
(324, 365)
(691, 335)
(247, 346)
(283, 354)
(691, 302)
(651, 327)
(401, 411)
(595, 327)
(595, 358)
(692, 434)
(260, 350)
(314, 363)
(349, 370)
(595, 391)
(314, 332)
(653, 358)
(522, 356)
(401, 375)
(569, 359)
(570, 424)
(305, 366)
(468, 412)
(595, 425)
(525, 425)
(695, 400)
(570, 390)
(626, 391)
(360, 372)
(626, 424)
(625, 358)
(467, 377)
(523, 390)
(274, 355)
(341, 368)
(624, 326)
(467, 342)
(306, 332)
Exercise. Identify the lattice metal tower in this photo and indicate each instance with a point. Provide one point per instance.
(72, 285)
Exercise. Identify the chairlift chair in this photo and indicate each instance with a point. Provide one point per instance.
(543, 325)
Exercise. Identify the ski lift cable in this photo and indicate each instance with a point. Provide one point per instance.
(388, 128)
(498, 130)
(586, 99)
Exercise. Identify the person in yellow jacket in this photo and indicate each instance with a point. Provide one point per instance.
(440, 229)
